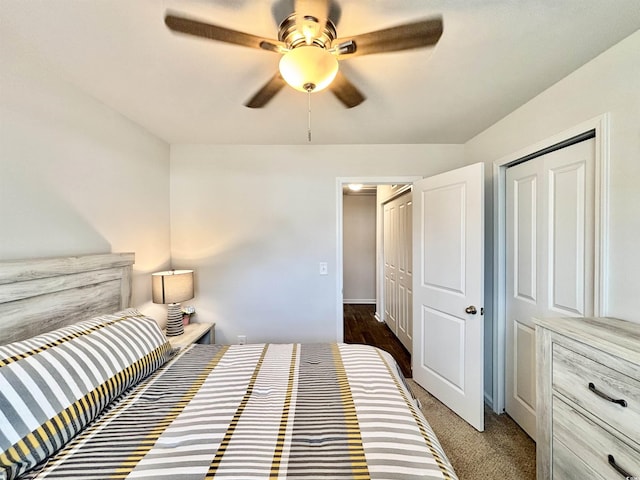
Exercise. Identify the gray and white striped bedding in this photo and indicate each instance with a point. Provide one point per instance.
(292, 411)
(53, 385)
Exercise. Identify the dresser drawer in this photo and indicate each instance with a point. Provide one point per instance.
(571, 375)
(567, 465)
(590, 445)
(577, 430)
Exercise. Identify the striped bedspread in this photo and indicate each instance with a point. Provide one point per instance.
(292, 411)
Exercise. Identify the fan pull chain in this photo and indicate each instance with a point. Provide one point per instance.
(309, 87)
(309, 116)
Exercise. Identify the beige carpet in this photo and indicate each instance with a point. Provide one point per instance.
(502, 451)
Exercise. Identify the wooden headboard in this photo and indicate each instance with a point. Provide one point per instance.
(40, 295)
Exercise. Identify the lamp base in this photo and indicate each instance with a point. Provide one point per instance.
(175, 326)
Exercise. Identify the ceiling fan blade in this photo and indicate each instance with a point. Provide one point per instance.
(221, 34)
(346, 91)
(267, 92)
(403, 37)
(311, 16)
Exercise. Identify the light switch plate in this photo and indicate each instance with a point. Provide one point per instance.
(324, 268)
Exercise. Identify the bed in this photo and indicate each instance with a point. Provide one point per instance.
(86, 393)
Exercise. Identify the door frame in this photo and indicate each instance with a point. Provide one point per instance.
(340, 183)
(601, 126)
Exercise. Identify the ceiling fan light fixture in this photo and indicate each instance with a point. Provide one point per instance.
(308, 68)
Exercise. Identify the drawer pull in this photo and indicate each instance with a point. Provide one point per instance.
(593, 388)
(619, 469)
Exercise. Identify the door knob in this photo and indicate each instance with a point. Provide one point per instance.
(471, 310)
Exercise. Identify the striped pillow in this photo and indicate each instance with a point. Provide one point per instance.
(53, 385)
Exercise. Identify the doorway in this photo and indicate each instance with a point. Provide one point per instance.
(340, 185)
(377, 243)
(448, 266)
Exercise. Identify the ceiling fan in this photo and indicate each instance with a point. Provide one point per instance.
(311, 48)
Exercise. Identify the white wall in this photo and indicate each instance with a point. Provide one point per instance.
(255, 221)
(609, 83)
(77, 177)
(359, 247)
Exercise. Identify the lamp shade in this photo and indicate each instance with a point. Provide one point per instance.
(172, 286)
(308, 68)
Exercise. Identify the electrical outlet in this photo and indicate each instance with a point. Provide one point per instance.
(242, 339)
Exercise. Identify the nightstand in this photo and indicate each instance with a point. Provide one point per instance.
(203, 333)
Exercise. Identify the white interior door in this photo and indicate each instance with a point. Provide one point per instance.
(448, 286)
(549, 267)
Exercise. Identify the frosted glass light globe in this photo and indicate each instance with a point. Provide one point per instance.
(308, 68)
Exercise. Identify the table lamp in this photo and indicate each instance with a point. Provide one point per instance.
(171, 288)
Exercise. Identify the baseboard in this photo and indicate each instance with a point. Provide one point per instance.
(377, 317)
(363, 301)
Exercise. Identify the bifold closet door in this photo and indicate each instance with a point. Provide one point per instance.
(549, 246)
(398, 274)
(390, 266)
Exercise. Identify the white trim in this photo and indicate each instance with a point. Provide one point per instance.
(340, 182)
(499, 283)
(359, 301)
(601, 125)
(398, 193)
(601, 221)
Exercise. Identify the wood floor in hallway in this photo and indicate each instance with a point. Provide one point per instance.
(361, 326)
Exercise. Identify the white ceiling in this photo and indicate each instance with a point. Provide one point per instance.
(494, 55)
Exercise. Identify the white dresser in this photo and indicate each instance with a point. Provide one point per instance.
(588, 399)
